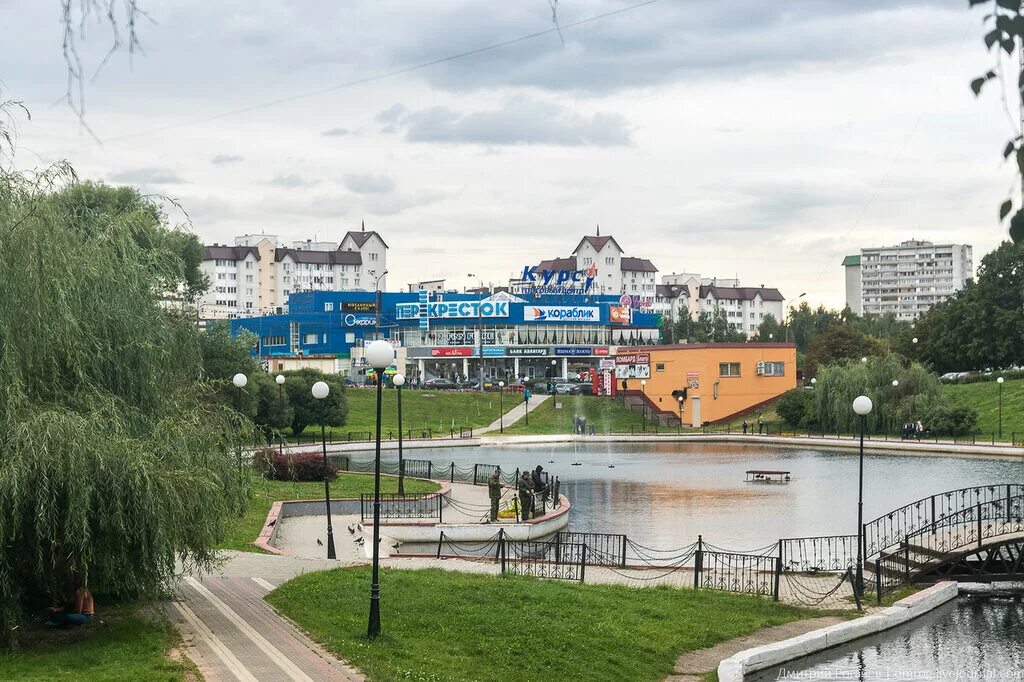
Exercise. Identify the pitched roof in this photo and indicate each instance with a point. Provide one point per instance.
(741, 293)
(665, 290)
(598, 243)
(637, 265)
(360, 238)
(218, 252)
(558, 264)
(320, 257)
(851, 260)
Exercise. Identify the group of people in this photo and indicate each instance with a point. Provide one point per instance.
(760, 425)
(912, 430)
(529, 487)
(580, 426)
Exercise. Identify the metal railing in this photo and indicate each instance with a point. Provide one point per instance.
(735, 572)
(824, 553)
(603, 549)
(560, 561)
(395, 506)
(967, 528)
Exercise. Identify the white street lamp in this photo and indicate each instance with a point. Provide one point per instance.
(399, 380)
(864, 359)
(501, 405)
(280, 378)
(862, 406)
(320, 391)
(895, 383)
(914, 340)
(1000, 382)
(379, 354)
(240, 380)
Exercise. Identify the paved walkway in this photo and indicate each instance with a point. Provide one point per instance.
(514, 415)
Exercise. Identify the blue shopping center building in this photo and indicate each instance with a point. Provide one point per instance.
(450, 334)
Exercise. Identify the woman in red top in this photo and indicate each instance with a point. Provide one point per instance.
(80, 612)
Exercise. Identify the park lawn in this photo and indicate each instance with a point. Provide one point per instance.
(607, 416)
(439, 411)
(120, 644)
(445, 625)
(984, 397)
(239, 532)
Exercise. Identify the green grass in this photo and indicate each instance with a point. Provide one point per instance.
(984, 397)
(436, 410)
(607, 415)
(120, 644)
(440, 625)
(241, 531)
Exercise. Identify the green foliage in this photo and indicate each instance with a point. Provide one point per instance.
(771, 330)
(115, 464)
(446, 625)
(982, 325)
(797, 408)
(805, 323)
(306, 410)
(950, 419)
(916, 397)
(985, 397)
(273, 408)
(709, 327)
(840, 342)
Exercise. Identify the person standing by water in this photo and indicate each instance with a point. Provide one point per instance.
(760, 424)
(494, 490)
(525, 490)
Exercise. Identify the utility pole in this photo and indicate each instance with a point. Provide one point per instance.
(480, 331)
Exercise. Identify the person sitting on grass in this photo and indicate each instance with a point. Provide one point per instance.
(79, 612)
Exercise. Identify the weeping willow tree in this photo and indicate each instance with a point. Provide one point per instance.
(116, 465)
(917, 394)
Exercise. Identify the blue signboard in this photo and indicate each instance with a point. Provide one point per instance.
(573, 350)
(351, 320)
(424, 299)
(494, 351)
(453, 309)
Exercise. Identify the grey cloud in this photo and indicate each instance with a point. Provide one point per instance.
(335, 132)
(391, 204)
(148, 176)
(225, 159)
(291, 181)
(366, 183)
(392, 114)
(520, 121)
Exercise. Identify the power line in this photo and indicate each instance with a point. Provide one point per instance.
(381, 76)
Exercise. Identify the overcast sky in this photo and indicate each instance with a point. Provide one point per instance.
(724, 137)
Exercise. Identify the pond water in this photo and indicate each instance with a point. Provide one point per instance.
(976, 637)
(664, 494)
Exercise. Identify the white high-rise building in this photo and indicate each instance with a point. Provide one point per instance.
(907, 279)
(258, 273)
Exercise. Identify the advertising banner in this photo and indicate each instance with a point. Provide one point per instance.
(463, 352)
(459, 337)
(526, 351)
(633, 359)
(574, 350)
(632, 371)
(452, 310)
(620, 314)
(351, 320)
(359, 307)
(561, 314)
(600, 350)
(559, 281)
(494, 351)
(606, 363)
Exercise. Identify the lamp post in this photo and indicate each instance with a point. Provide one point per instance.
(814, 380)
(280, 403)
(1000, 382)
(399, 380)
(320, 391)
(480, 332)
(379, 354)
(239, 380)
(862, 406)
(376, 288)
(895, 383)
(681, 411)
(791, 317)
(501, 405)
(643, 389)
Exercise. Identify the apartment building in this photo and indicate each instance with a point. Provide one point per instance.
(907, 279)
(745, 307)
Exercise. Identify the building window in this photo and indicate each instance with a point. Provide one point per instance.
(373, 256)
(310, 339)
(273, 340)
(248, 265)
(728, 369)
(328, 307)
(248, 278)
(659, 367)
(773, 369)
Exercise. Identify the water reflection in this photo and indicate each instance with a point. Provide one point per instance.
(664, 494)
(977, 637)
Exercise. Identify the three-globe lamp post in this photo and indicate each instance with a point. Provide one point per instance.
(320, 391)
(379, 355)
(399, 380)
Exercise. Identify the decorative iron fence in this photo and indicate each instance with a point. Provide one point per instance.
(826, 553)
(560, 561)
(892, 570)
(418, 468)
(394, 506)
(888, 531)
(734, 572)
(603, 549)
(969, 527)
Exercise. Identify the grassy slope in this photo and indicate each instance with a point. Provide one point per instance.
(460, 626)
(125, 646)
(421, 409)
(241, 531)
(984, 397)
(606, 414)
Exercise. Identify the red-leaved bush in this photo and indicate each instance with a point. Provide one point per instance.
(297, 466)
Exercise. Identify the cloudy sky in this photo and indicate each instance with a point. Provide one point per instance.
(725, 137)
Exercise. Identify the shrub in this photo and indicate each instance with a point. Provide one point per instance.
(300, 466)
(950, 420)
(795, 405)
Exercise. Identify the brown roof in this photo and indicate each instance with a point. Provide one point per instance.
(558, 264)
(598, 243)
(320, 257)
(665, 290)
(360, 238)
(218, 252)
(741, 293)
(637, 265)
(626, 350)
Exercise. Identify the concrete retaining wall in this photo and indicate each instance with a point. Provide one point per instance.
(735, 667)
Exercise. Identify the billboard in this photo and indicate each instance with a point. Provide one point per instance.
(463, 352)
(633, 359)
(359, 307)
(351, 320)
(620, 314)
(452, 310)
(550, 313)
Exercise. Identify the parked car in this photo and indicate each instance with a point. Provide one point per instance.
(439, 384)
(571, 388)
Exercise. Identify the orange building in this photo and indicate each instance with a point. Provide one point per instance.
(720, 380)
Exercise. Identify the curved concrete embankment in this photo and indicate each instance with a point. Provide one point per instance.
(750, 661)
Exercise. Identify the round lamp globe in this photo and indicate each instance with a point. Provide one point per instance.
(1000, 380)
(380, 354)
(398, 380)
(321, 390)
(279, 379)
(240, 380)
(862, 405)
